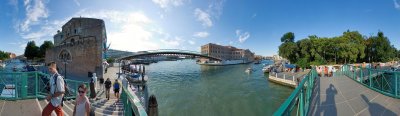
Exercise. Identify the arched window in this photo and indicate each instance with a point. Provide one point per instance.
(64, 56)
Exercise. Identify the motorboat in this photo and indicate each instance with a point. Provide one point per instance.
(2, 64)
(267, 68)
(249, 70)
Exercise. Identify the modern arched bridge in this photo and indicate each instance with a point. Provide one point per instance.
(351, 91)
(169, 52)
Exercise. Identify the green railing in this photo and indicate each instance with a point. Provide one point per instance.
(27, 85)
(300, 98)
(382, 81)
(132, 104)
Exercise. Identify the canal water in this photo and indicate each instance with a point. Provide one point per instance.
(185, 88)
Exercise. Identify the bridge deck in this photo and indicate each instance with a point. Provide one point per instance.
(344, 97)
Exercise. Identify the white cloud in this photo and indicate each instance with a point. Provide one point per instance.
(167, 3)
(242, 36)
(396, 4)
(213, 11)
(230, 42)
(173, 43)
(131, 31)
(203, 17)
(215, 8)
(191, 42)
(77, 2)
(35, 10)
(201, 34)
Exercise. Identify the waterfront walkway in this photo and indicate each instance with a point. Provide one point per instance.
(342, 96)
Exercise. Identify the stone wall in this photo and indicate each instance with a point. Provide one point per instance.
(84, 48)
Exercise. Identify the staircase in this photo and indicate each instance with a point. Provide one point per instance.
(101, 107)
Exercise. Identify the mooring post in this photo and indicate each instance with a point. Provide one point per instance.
(152, 109)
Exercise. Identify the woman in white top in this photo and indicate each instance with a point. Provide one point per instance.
(82, 104)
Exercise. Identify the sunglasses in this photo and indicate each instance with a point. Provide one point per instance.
(81, 91)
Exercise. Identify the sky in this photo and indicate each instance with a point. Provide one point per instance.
(258, 25)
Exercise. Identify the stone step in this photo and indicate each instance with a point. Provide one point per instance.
(68, 108)
(107, 113)
(102, 106)
(110, 108)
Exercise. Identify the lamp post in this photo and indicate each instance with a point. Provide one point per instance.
(65, 67)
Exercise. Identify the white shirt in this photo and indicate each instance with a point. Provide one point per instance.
(56, 101)
(94, 78)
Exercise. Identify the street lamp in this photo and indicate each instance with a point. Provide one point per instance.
(65, 67)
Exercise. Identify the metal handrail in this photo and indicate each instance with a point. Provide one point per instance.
(301, 95)
(132, 104)
(383, 81)
(27, 85)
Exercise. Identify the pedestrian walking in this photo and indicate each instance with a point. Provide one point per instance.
(101, 82)
(116, 86)
(56, 94)
(107, 85)
(82, 104)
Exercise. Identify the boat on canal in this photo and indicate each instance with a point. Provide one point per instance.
(267, 68)
(249, 70)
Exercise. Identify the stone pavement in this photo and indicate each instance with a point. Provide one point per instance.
(112, 74)
(19, 108)
(341, 96)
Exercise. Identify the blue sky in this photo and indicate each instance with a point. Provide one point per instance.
(136, 25)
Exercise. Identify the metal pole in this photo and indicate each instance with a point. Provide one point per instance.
(65, 69)
(369, 76)
(395, 82)
(293, 78)
(301, 100)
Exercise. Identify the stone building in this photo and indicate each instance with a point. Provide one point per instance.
(79, 49)
(227, 52)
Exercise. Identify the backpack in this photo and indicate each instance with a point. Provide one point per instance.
(108, 84)
(116, 85)
(66, 92)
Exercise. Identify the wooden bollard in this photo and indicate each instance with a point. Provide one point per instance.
(152, 109)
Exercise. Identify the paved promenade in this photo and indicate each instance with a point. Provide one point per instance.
(341, 96)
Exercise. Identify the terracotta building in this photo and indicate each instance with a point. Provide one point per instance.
(227, 52)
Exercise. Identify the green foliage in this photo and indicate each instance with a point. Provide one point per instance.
(110, 60)
(45, 46)
(289, 51)
(303, 63)
(351, 47)
(4, 55)
(31, 50)
(288, 37)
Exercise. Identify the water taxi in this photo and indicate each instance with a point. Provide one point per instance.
(267, 68)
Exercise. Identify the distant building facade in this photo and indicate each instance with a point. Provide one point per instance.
(12, 55)
(82, 46)
(227, 52)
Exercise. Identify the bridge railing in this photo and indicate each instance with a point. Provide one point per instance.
(382, 81)
(174, 50)
(300, 98)
(27, 85)
(132, 105)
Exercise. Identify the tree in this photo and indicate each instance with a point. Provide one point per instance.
(287, 37)
(31, 50)
(4, 55)
(350, 47)
(45, 46)
(289, 51)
